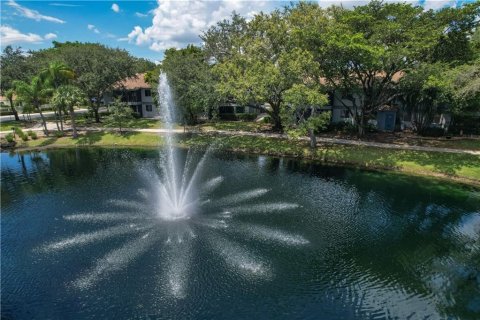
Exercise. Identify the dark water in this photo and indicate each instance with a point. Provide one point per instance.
(322, 243)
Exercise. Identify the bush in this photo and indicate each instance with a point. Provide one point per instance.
(9, 137)
(59, 134)
(24, 137)
(345, 127)
(246, 117)
(19, 131)
(32, 134)
(433, 132)
(267, 119)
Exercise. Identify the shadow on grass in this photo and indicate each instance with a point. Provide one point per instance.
(89, 138)
(48, 141)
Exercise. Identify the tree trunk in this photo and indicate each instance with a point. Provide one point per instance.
(12, 107)
(313, 139)
(61, 119)
(361, 126)
(95, 111)
(45, 130)
(56, 120)
(74, 126)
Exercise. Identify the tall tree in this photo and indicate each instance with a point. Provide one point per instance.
(68, 96)
(33, 93)
(424, 91)
(366, 50)
(14, 66)
(264, 65)
(97, 68)
(191, 79)
(54, 75)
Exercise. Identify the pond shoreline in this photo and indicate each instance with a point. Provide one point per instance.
(418, 164)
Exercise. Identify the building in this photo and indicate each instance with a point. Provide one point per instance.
(137, 93)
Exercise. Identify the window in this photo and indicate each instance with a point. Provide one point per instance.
(344, 113)
(149, 108)
(148, 93)
(240, 110)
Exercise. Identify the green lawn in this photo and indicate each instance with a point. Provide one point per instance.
(6, 126)
(236, 126)
(462, 167)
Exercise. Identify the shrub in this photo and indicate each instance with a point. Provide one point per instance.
(433, 132)
(246, 117)
(59, 134)
(19, 131)
(33, 135)
(9, 137)
(24, 137)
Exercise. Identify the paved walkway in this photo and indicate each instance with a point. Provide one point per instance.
(36, 115)
(52, 126)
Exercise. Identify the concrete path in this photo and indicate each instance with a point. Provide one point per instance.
(52, 126)
(36, 115)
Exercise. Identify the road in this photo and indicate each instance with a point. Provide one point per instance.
(37, 115)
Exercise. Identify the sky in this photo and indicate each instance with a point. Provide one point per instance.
(144, 28)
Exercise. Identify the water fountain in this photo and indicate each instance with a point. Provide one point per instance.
(173, 213)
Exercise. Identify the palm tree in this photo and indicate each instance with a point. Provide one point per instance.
(34, 94)
(9, 95)
(56, 74)
(68, 96)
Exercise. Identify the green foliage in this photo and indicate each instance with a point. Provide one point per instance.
(262, 63)
(191, 80)
(120, 115)
(9, 137)
(24, 137)
(14, 67)
(19, 131)
(32, 134)
(96, 67)
(425, 92)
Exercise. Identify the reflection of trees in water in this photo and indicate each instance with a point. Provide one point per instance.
(52, 170)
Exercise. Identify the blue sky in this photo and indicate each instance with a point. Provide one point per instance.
(144, 28)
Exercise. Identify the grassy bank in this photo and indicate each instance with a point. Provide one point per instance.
(459, 167)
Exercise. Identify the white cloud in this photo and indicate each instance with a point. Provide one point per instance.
(93, 28)
(178, 23)
(32, 14)
(141, 15)
(115, 8)
(55, 4)
(50, 36)
(9, 36)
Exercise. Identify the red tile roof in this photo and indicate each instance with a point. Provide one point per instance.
(132, 83)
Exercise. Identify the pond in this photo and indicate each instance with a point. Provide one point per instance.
(272, 238)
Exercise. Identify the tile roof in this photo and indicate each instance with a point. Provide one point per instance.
(132, 83)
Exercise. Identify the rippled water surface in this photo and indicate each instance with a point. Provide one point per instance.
(81, 238)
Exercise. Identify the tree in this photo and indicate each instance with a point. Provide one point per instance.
(424, 91)
(14, 66)
(97, 68)
(264, 65)
(458, 26)
(224, 39)
(365, 50)
(9, 94)
(192, 83)
(55, 75)
(68, 96)
(300, 111)
(33, 93)
(120, 114)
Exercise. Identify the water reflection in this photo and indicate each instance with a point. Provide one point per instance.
(366, 245)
